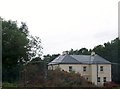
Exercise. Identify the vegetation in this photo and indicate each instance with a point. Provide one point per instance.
(51, 78)
(18, 49)
(109, 51)
(23, 66)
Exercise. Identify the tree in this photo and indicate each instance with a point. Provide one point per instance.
(18, 48)
(110, 51)
(99, 50)
(82, 51)
(49, 58)
(33, 73)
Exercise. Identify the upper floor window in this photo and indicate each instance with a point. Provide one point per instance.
(84, 68)
(104, 79)
(70, 68)
(101, 68)
(98, 79)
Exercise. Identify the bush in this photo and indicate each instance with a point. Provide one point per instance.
(52, 78)
(111, 84)
(6, 84)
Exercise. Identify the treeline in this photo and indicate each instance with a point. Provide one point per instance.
(109, 51)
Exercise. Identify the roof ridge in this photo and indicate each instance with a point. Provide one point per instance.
(63, 58)
(75, 59)
(81, 59)
(80, 55)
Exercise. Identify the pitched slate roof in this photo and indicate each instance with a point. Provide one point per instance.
(79, 59)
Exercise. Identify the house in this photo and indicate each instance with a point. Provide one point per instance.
(92, 67)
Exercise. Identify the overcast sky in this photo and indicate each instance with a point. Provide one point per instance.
(65, 24)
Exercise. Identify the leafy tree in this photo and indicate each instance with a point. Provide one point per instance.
(33, 73)
(110, 52)
(55, 78)
(81, 51)
(84, 51)
(99, 50)
(14, 51)
(18, 48)
(49, 58)
(36, 59)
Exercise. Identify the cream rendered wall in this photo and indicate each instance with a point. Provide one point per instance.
(78, 68)
(53, 67)
(94, 74)
(105, 73)
(49, 67)
(90, 73)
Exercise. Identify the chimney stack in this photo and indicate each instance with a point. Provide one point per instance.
(64, 52)
(92, 53)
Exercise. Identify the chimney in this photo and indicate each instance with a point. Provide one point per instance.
(92, 57)
(92, 53)
(64, 52)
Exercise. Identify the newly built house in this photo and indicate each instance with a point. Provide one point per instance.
(92, 67)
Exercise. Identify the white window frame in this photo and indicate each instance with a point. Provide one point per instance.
(84, 68)
(104, 79)
(98, 79)
(70, 68)
(101, 68)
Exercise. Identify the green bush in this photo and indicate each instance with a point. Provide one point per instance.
(6, 84)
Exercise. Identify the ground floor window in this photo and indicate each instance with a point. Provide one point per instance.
(70, 68)
(104, 79)
(101, 68)
(87, 78)
(98, 79)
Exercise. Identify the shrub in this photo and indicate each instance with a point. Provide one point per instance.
(6, 84)
(111, 84)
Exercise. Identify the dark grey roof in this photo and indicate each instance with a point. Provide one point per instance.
(79, 59)
(64, 59)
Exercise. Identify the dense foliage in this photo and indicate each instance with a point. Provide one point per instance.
(36, 76)
(18, 47)
(110, 51)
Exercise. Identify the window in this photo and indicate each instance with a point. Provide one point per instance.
(87, 78)
(101, 68)
(98, 79)
(70, 68)
(84, 68)
(104, 79)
